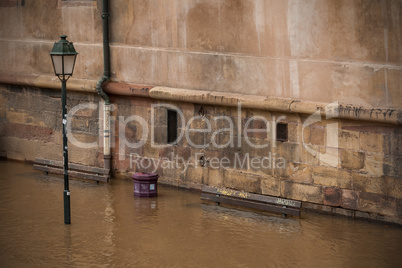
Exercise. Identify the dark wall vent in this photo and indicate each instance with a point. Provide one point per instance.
(171, 126)
(282, 132)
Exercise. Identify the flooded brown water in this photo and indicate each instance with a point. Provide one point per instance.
(112, 228)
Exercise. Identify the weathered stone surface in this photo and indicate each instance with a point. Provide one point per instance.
(302, 192)
(350, 199)
(332, 196)
(167, 152)
(373, 142)
(194, 174)
(294, 133)
(387, 186)
(305, 137)
(349, 140)
(330, 157)
(377, 203)
(318, 135)
(373, 164)
(270, 186)
(310, 154)
(291, 152)
(365, 183)
(332, 177)
(352, 160)
(299, 173)
(242, 181)
(215, 177)
(150, 151)
(28, 132)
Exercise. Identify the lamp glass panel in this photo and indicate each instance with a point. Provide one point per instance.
(57, 64)
(69, 61)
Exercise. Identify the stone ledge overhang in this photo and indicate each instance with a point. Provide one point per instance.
(287, 105)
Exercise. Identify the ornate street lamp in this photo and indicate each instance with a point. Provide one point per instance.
(63, 57)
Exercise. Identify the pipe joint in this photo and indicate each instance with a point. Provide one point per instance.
(99, 90)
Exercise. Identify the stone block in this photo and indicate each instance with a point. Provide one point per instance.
(259, 165)
(196, 139)
(123, 163)
(242, 181)
(366, 183)
(388, 186)
(28, 132)
(199, 123)
(294, 133)
(184, 153)
(332, 196)
(343, 212)
(352, 160)
(194, 174)
(222, 140)
(394, 187)
(270, 186)
(237, 160)
(391, 166)
(376, 143)
(396, 144)
(302, 192)
(255, 147)
(171, 172)
(134, 152)
(362, 215)
(291, 152)
(332, 177)
(310, 154)
(329, 157)
(211, 154)
(318, 135)
(305, 137)
(299, 173)
(168, 152)
(377, 203)
(257, 128)
(151, 151)
(215, 177)
(349, 140)
(160, 135)
(350, 199)
(373, 164)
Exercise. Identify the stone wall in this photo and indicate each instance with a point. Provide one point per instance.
(31, 127)
(330, 50)
(337, 166)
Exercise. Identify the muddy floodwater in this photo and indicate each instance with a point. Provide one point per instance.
(112, 228)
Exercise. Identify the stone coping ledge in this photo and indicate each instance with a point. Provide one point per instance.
(287, 105)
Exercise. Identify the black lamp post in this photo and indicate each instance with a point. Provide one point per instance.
(63, 57)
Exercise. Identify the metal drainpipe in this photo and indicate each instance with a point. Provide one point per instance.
(102, 80)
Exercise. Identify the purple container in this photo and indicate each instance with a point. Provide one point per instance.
(145, 184)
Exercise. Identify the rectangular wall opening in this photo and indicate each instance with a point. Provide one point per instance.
(282, 132)
(171, 126)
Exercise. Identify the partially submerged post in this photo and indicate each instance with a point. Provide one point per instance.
(63, 57)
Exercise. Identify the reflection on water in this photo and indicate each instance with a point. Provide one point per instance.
(111, 227)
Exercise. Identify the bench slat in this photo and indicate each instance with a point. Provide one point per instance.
(58, 170)
(250, 204)
(252, 197)
(72, 166)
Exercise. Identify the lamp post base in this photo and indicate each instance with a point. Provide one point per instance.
(67, 219)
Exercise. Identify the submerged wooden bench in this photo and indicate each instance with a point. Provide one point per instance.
(255, 201)
(74, 170)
